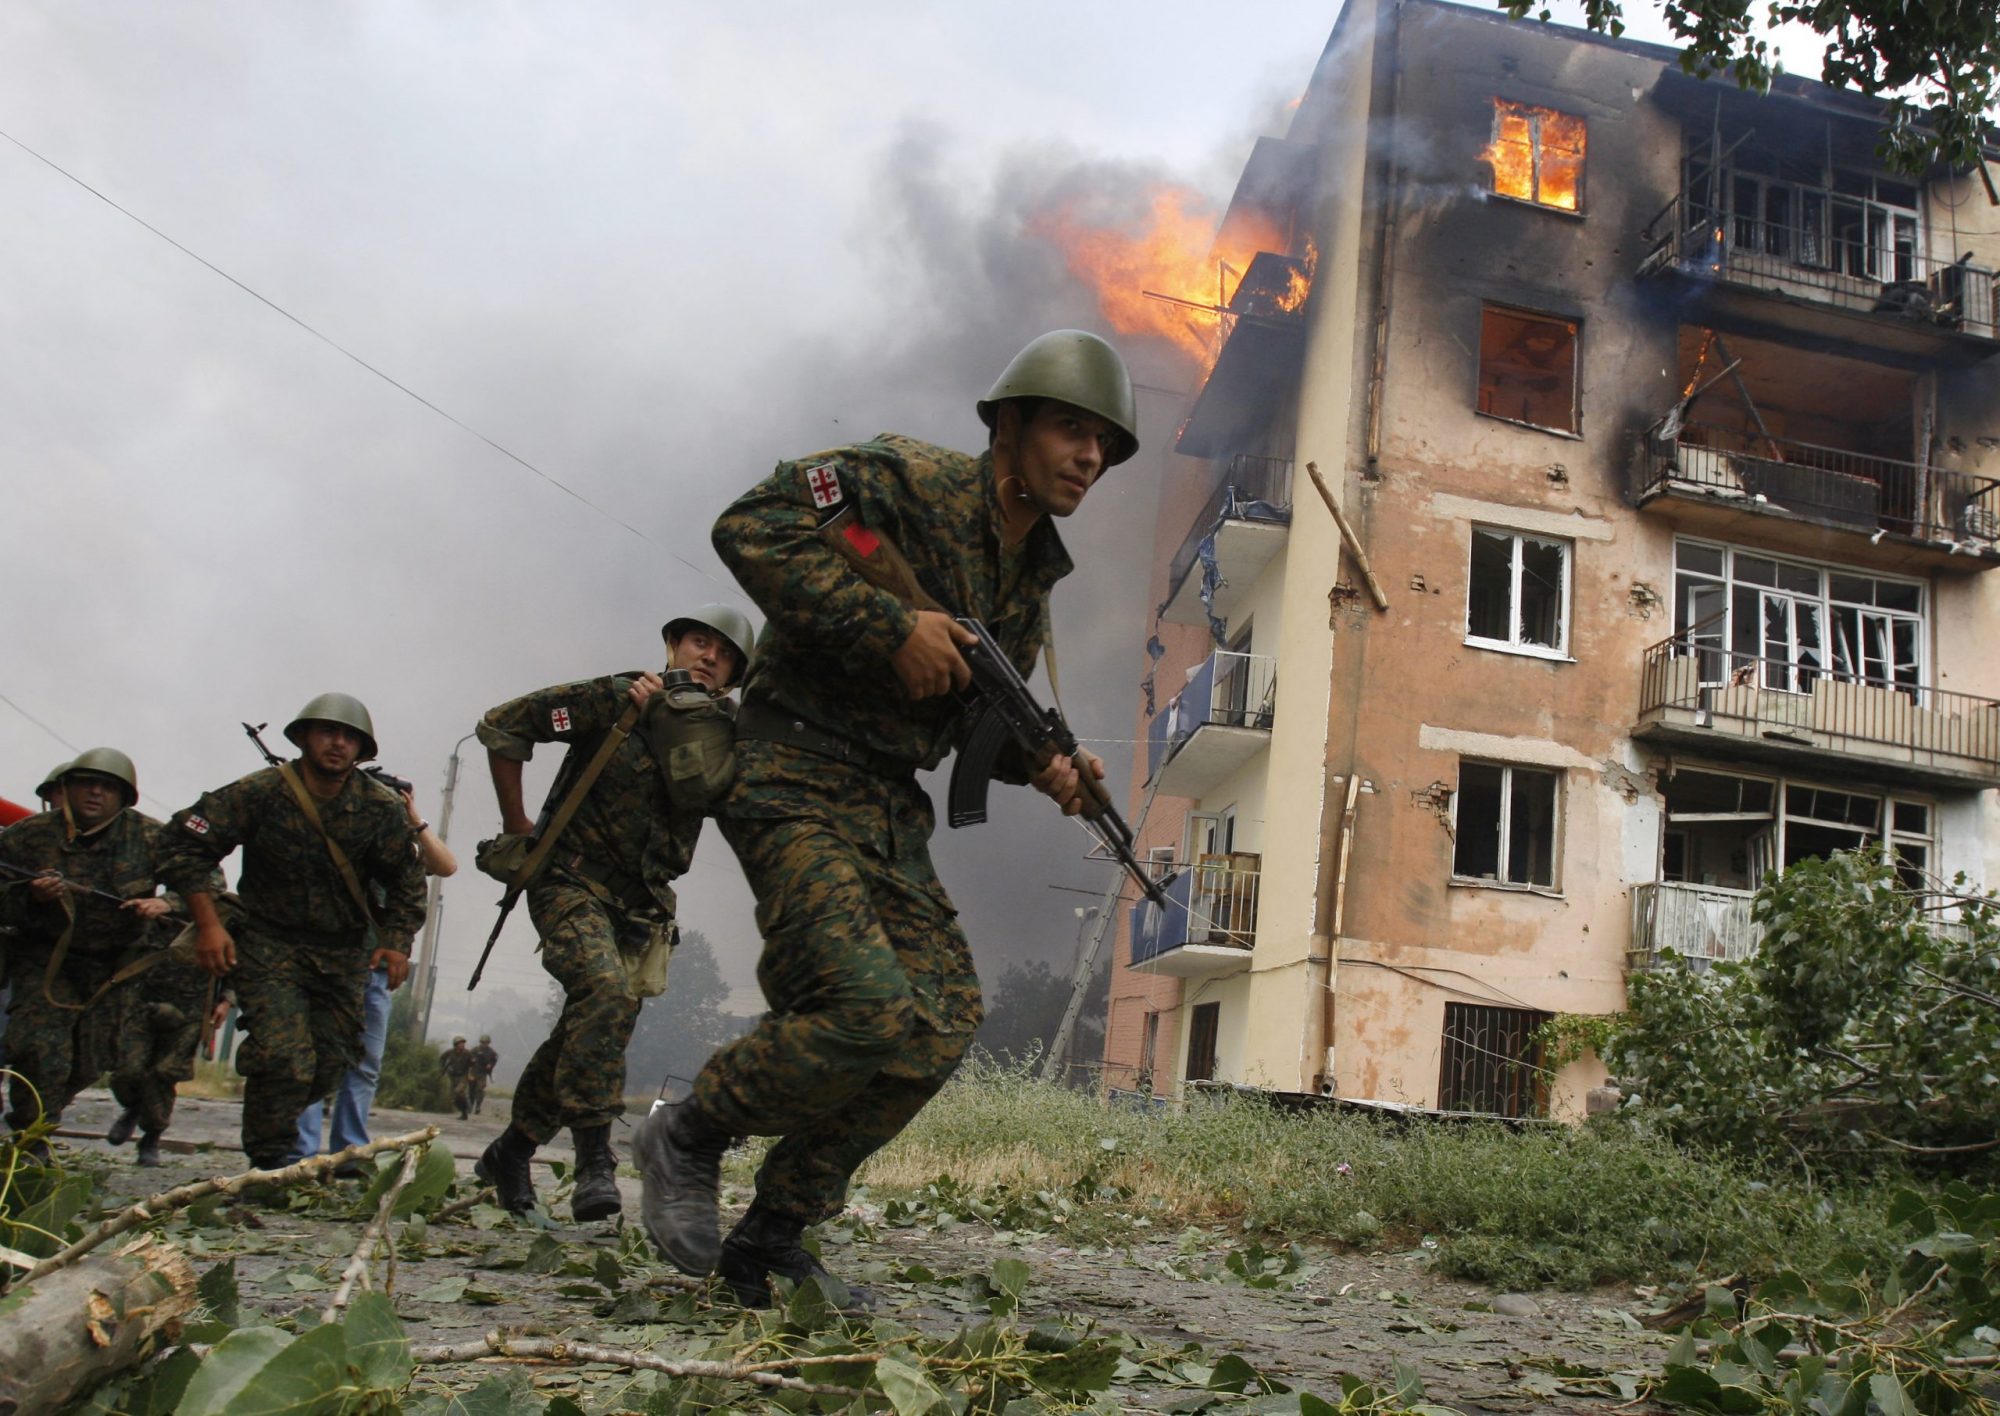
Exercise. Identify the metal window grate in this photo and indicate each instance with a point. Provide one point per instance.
(1492, 1062)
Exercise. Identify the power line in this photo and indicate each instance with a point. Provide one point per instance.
(74, 749)
(343, 350)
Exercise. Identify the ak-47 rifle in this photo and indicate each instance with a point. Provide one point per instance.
(75, 889)
(520, 880)
(1005, 710)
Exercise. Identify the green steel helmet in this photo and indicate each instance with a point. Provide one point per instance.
(107, 762)
(486, 1037)
(1076, 367)
(726, 620)
(47, 790)
(341, 708)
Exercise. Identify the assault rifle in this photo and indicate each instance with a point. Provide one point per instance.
(519, 882)
(1006, 711)
(69, 885)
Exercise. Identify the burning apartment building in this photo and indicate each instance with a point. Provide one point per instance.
(1666, 425)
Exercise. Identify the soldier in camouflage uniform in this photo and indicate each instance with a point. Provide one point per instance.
(870, 981)
(603, 902)
(303, 951)
(69, 944)
(458, 1065)
(487, 1059)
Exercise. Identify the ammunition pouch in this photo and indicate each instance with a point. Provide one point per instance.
(646, 968)
(503, 855)
(693, 737)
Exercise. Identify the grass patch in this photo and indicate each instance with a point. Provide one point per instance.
(1551, 1206)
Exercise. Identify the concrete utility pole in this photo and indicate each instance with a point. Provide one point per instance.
(425, 972)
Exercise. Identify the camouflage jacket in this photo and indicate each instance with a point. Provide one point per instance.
(123, 859)
(457, 1064)
(639, 824)
(487, 1059)
(829, 635)
(289, 882)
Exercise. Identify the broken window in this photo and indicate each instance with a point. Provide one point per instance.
(1536, 155)
(1730, 831)
(1527, 368)
(1492, 1061)
(1517, 593)
(1504, 825)
(1204, 1022)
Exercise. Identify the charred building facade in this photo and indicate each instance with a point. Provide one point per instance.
(1667, 425)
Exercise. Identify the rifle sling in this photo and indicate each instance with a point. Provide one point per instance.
(532, 866)
(340, 860)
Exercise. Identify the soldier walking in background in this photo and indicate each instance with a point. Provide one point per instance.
(487, 1059)
(459, 1066)
(319, 839)
(603, 901)
(68, 943)
(870, 980)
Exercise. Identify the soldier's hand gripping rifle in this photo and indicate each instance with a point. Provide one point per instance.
(1005, 711)
(25, 874)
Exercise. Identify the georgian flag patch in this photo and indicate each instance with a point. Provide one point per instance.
(559, 720)
(197, 825)
(823, 482)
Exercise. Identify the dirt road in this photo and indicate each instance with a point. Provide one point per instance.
(1349, 1312)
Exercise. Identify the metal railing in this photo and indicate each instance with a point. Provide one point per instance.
(1708, 924)
(1843, 253)
(1802, 702)
(1252, 489)
(1228, 690)
(1830, 485)
(1213, 902)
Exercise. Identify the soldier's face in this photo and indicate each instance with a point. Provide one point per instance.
(93, 798)
(706, 655)
(1060, 454)
(331, 749)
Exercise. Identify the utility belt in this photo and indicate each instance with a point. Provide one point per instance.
(761, 723)
(621, 886)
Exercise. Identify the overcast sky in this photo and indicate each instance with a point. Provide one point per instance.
(650, 249)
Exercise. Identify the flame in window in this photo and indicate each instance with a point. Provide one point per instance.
(1536, 155)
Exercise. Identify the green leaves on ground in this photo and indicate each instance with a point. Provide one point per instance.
(338, 1366)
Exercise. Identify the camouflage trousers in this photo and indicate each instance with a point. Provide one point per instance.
(156, 1046)
(301, 999)
(577, 1075)
(56, 1051)
(873, 997)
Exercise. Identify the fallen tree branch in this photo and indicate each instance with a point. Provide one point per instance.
(562, 1349)
(459, 1207)
(95, 1320)
(155, 1206)
(357, 1267)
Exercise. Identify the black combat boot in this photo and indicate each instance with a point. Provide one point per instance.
(122, 1129)
(679, 1153)
(149, 1149)
(765, 1245)
(504, 1166)
(596, 1192)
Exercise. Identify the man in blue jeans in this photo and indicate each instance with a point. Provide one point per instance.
(356, 1095)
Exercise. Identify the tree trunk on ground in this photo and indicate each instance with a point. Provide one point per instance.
(77, 1327)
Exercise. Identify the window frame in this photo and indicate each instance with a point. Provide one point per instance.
(1560, 652)
(1575, 330)
(1558, 815)
(1535, 114)
(1468, 1070)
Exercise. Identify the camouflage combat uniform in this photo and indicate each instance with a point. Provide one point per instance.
(487, 1059)
(303, 945)
(57, 1049)
(459, 1065)
(605, 899)
(870, 980)
(160, 1017)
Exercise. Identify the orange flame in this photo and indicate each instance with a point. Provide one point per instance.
(1174, 251)
(1536, 154)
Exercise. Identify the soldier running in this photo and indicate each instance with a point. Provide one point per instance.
(319, 839)
(459, 1065)
(482, 1078)
(870, 980)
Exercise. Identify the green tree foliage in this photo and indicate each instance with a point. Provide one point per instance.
(412, 1080)
(1935, 62)
(1865, 1027)
(1024, 1008)
(679, 1029)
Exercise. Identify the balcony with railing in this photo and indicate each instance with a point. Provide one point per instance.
(1209, 923)
(1837, 267)
(1693, 692)
(1894, 514)
(1213, 726)
(1257, 362)
(1233, 537)
(1707, 924)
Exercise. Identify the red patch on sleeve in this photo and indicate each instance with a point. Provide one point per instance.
(862, 539)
